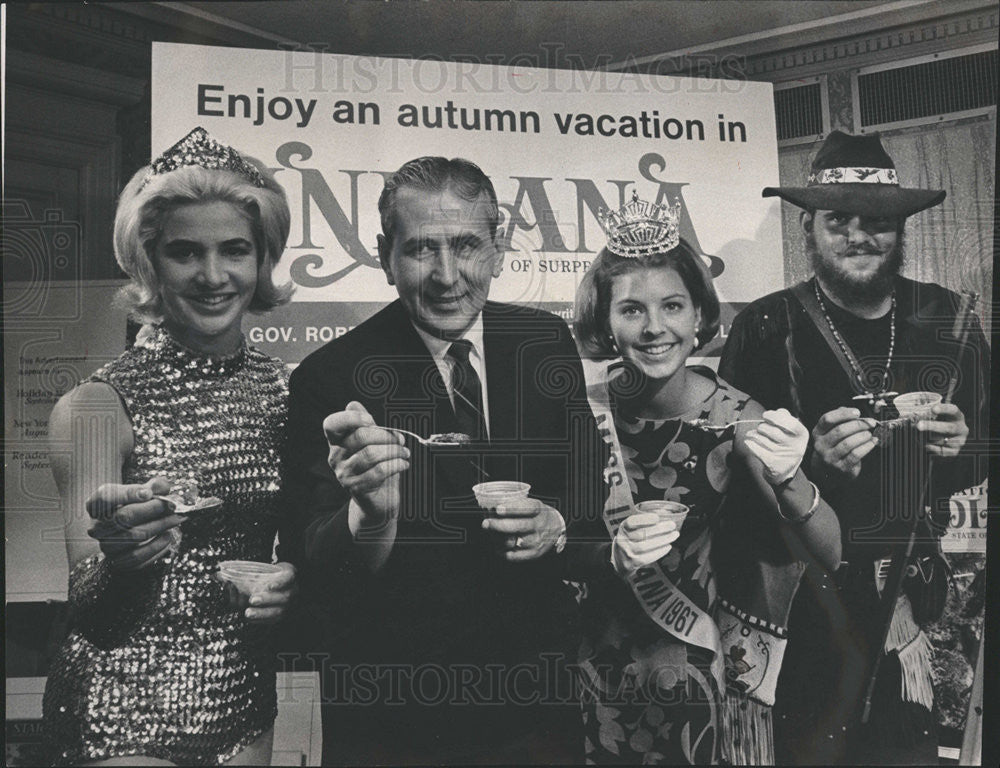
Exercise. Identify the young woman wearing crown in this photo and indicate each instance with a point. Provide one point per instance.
(683, 617)
(160, 667)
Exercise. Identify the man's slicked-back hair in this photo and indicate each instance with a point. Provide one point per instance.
(462, 177)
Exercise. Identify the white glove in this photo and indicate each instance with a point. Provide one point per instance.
(780, 443)
(642, 539)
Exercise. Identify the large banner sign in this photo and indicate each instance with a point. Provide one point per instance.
(558, 145)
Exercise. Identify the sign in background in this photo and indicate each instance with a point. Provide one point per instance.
(557, 144)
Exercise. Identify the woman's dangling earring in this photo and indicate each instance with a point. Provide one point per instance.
(611, 343)
(697, 341)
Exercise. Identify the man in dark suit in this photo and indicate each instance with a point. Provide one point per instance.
(446, 629)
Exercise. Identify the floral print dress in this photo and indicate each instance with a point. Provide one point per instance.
(649, 698)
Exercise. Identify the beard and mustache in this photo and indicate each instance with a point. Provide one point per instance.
(858, 288)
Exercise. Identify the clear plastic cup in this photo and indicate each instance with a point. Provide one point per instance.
(496, 492)
(246, 578)
(667, 510)
(916, 405)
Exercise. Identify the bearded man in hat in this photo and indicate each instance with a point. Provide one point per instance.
(835, 350)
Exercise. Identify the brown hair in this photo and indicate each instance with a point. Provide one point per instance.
(593, 297)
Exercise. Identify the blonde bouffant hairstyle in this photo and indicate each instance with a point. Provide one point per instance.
(147, 200)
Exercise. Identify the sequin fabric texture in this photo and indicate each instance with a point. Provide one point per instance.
(157, 662)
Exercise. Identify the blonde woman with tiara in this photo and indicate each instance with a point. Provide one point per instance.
(162, 666)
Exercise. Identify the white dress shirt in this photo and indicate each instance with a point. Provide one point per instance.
(439, 351)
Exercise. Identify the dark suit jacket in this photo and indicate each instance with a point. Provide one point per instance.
(445, 599)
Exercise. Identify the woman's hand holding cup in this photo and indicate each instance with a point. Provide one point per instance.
(261, 591)
(642, 539)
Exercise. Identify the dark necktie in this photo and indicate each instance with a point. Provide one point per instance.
(467, 391)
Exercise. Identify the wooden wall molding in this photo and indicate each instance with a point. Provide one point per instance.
(114, 37)
(69, 78)
(90, 35)
(75, 175)
(100, 20)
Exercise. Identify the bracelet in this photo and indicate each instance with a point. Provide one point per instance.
(812, 509)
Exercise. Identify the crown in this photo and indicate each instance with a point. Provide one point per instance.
(200, 149)
(641, 228)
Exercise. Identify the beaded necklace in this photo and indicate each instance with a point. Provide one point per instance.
(877, 397)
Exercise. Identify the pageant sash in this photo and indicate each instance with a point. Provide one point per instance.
(747, 672)
(660, 598)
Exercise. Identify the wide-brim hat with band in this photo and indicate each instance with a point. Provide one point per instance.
(855, 174)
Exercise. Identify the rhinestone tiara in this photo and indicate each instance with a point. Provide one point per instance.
(641, 228)
(200, 149)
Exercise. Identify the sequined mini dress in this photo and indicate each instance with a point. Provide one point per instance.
(157, 663)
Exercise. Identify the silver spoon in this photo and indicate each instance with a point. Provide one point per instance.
(458, 438)
(703, 424)
(180, 507)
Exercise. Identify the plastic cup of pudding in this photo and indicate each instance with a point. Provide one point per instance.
(667, 510)
(246, 578)
(495, 493)
(916, 405)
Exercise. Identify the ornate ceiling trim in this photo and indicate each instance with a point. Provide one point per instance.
(903, 30)
(957, 31)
